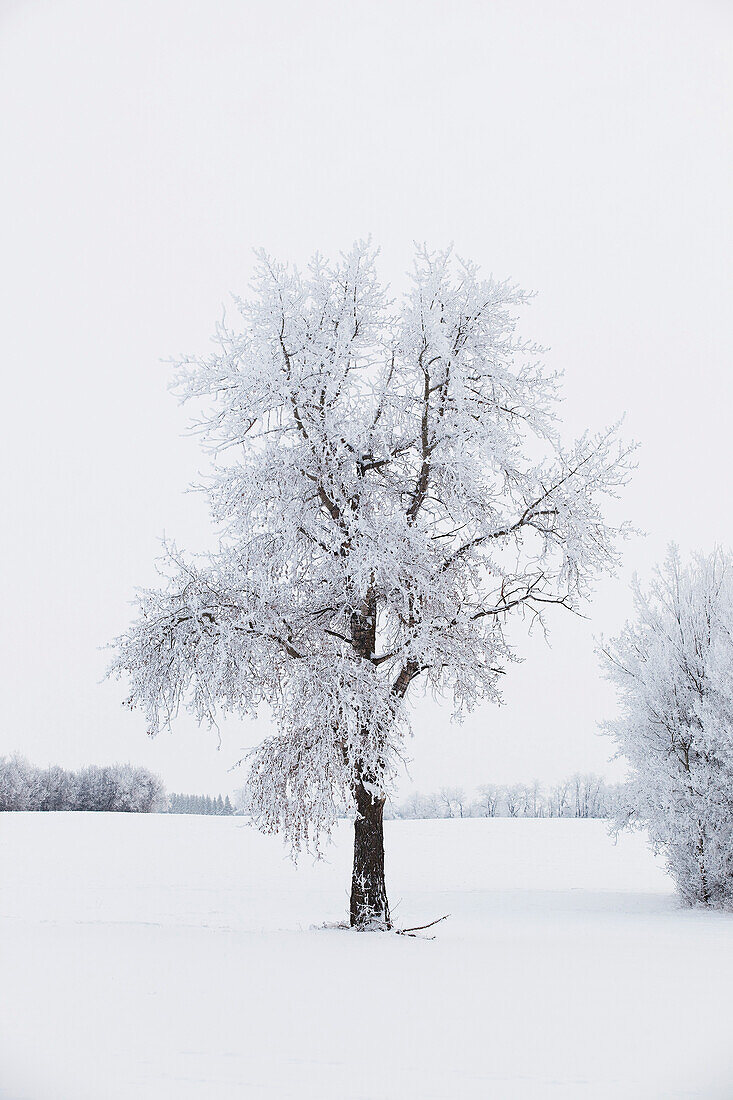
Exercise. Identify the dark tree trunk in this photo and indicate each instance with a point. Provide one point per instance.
(369, 905)
(703, 892)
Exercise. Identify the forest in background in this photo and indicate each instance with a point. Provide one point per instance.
(128, 789)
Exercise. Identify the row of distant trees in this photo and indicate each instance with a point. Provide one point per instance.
(124, 788)
(118, 787)
(579, 796)
(586, 795)
(200, 804)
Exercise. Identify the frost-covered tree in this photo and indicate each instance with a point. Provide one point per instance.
(491, 795)
(513, 799)
(452, 801)
(389, 489)
(533, 800)
(673, 670)
(559, 800)
(587, 795)
(17, 782)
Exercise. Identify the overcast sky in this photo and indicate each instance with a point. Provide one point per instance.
(581, 148)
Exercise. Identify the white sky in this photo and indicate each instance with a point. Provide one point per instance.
(582, 148)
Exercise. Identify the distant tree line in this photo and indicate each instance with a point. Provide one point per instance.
(579, 796)
(118, 787)
(586, 795)
(199, 804)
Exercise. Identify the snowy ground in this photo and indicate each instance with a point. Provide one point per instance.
(155, 956)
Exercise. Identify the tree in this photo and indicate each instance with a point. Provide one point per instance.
(58, 789)
(16, 783)
(389, 489)
(514, 799)
(673, 670)
(558, 800)
(452, 799)
(533, 802)
(490, 798)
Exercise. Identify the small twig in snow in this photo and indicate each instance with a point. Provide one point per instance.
(419, 927)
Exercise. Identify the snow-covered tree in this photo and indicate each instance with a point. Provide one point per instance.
(491, 795)
(673, 669)
(17, 781)
(452, 801)
(587, 795)
(416, 807)
(533, 800)
(559, 800)
(514, 799)
(390, 490)
(57, 789)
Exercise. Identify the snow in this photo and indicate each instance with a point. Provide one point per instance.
(179, 956)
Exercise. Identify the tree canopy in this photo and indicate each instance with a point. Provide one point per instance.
(390, 488)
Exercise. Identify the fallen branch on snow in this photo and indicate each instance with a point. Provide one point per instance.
(419, 928)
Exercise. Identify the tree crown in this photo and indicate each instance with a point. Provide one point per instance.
(390, 487)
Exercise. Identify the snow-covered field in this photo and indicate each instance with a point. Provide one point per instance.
(159, 956)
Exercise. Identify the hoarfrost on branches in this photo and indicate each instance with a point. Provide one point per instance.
(390, 489)
(673, 669)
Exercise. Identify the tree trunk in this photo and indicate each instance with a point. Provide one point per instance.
(369, 905)
(703, 892)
